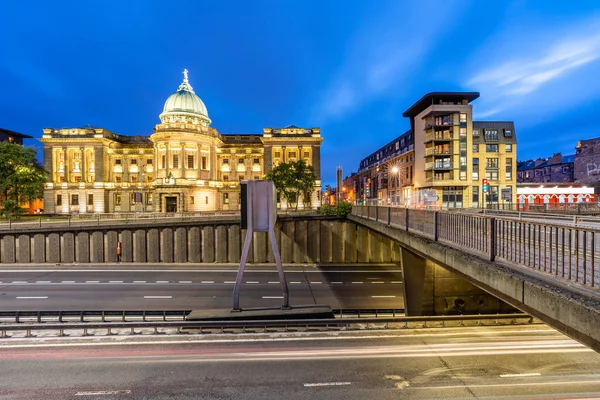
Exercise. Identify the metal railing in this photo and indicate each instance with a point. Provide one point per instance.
(243, 325)
(571, 252)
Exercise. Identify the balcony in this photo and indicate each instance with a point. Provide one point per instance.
(439, 137)
(431, 166)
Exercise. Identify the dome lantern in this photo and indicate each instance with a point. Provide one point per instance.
(185, 106)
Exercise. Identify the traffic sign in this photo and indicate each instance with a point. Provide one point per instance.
(485, 188)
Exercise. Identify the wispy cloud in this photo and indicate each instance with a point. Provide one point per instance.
(537, 65)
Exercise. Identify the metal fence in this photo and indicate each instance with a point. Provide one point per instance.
(567, 251)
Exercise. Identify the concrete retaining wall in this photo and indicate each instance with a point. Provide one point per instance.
(300, 240)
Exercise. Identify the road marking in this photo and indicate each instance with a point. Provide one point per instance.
(115, 281)
(327, 384)
(315, 282)
(273, 282)
(356, 282)
(396, 281)
(229, 282)
(295, 282)
(272, 297)
(374, 278)
(207, 282)
(162, 281)
(103, 392)
(139, 281)
(185, 281)
(251, 282)
(32, 297)
(337, 283)
(68, 281)
(40, 282)
(381, 296)
(158, 297)
(377, 282)
(19, 282)
(92, 281)
(519, 375)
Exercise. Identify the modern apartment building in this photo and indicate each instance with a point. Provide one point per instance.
(185, 165)
(444, 159)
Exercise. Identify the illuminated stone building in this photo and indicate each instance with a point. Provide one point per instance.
(185, 165)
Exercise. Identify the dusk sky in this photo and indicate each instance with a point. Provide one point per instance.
(349, 67)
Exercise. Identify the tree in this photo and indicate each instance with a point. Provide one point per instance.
(293, 180)
(22, 178)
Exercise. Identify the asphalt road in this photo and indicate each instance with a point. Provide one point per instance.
(205, 288)
(510, 362)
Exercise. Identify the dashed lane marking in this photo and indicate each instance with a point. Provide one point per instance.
(520, 375)
(68, 282)
(185, 281)
(115, 281)
(162, 281)
(295, 282)
(32, 297)
(381, 297)
(251, 281)
(19, 282)
(139, 281)
(272, 297)
(92, 281)
(230, 282)
(327, 384)
(356, 282)
(273, 282)
(337, 283)
(102, 392)
(158, 297)
(315, 282)
(207, 282)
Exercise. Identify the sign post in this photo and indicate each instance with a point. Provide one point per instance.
(485, 188)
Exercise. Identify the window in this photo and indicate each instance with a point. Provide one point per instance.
(61, 179)
(225, 198)
(191, 199)
(508, 175)
(59, 199)
(163, 161)
(133, 198)
(475, 175)
(240, 177)
(491, 148)
(565, 169)
(493, 195)
(225, 178)
(507, 132)
(134, 162)
(149, 161)
(475, 147)
(306, 154)
(118, 161)
(462, 175)
(175, 160)
(117, 199)
(491, 135)
(476, 132)
(204, 162)
(11, 139)
(463, 117)
(77, 178)
(277, 154)
(256, 161)
(149, 198)
(475, 199)
(190, 159)
(256, 177)
(205, 199)
(508, 147)
(491, 175)
(292, 154)
(148, 178)
(491, 163)
(133, 178)
(118, 179)
(75, 199)
(225, 161)
(462, 132)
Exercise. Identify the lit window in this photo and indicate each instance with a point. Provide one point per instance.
(133, 162)
(277, 154)
(463, 117)
(190, 161)
(59, 199)
(117, 199)
(191, 199)
(476, 132)
(225, 178)
(75, 199)
(117, 179)
(149, 161)
(118, 161)
(90, 199)
(240, 177)
(226, 161)
(134, 178)
(256, 161)
(225, 198)
(175, 160)
(509, 147)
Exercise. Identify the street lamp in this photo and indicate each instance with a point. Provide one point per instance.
(396, 172)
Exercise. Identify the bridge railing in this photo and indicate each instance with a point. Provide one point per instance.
(567, 252)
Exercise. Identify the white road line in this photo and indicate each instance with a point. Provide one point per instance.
(139, 281)
(207, 282)
(229, 282)
(102, 392)
(396, 281)
(315, 282)
(40, 282)
(377, 297)
(356, 282)
(68, 282)
(158, 297)
(162, 281)
(327, 384)
(272, 297)
(251, 282)
(519, 375)
(115, 281)
(273, 282)
(377, 282)
(19, 282)
(336, 283)
(32, 297)
(92, 281)
(185, 281)
(295, 282)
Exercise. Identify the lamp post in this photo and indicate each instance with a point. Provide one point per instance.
(396, 172)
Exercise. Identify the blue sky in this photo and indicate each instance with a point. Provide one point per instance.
(349, 67)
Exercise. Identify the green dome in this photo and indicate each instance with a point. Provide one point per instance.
(185, 106)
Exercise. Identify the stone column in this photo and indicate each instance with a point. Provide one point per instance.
(182, 161)
(268, 159)
(212, 162)
(100, 167)
(167, 160)
(83, 165)
(316, 160)
(66, 164)
(198, 161)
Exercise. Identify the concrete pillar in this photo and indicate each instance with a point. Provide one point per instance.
(82, 247)
(260, 243)
(221, 244)
(418, 284)
(153, 245)
(326, 242)
(97, 250)
(301, 239)
(53, 248)
(234, 247)
(386, 250)
(349, 234)
(139, 246)
(362, 244)
(314, 243)
(67, 247)
(24, 249)
(126, 246)
(208, 244)
(375, 248)
(39, 248)
(194, 245)
(287, 242)
(337, 242)
(180, 245)
(110, 246)
(166, 245)
(7, 251)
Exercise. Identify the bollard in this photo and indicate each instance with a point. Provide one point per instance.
(40, 222)
(28, 334)
(61, 332)
(9, 223)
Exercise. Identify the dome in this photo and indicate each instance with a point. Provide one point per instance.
(185, 106)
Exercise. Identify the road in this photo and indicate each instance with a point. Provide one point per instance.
(126, 288)
(500, 362)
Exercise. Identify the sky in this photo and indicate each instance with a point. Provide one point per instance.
(349, 67)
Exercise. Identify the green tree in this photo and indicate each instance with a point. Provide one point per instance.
(293, 180)
(22, 178)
